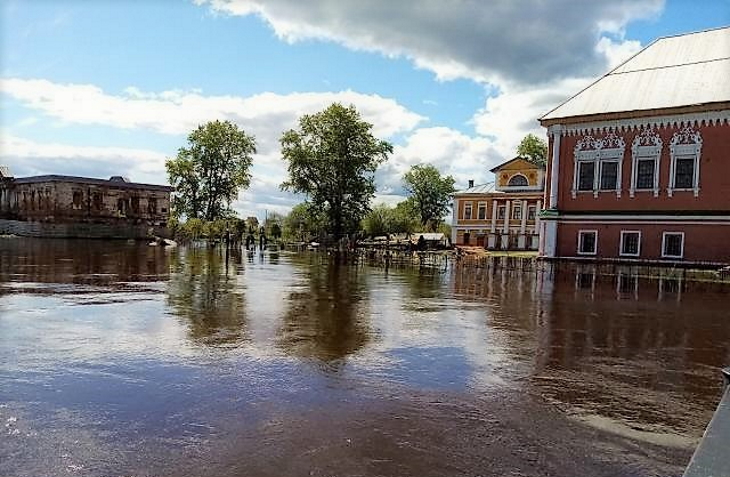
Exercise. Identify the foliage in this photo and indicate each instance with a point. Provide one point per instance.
(386, 220)
(430, 194)
(303, 223)
(332, 158)
(252, 225)
(273, 225)
(208, 174)
(534, 149)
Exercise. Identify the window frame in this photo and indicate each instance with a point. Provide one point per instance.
(608, 149)
(603, 163)
(516, 211)
(645, 146)
(621, 251)
(685, 144)
(664, 244)
(531, 212)
(583, 232)
(515, 176)
(468, 205)
(501, 212)
(481, 206)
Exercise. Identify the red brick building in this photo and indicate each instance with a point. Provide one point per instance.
(639, 163)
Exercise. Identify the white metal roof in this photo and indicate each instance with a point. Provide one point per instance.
(478, 189)
(676, 71)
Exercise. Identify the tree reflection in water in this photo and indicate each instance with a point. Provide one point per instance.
(204, 291)
(327, 317)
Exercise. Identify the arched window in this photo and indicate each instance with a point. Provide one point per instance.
(518, 180)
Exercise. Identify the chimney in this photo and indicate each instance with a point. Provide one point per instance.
(471, 183)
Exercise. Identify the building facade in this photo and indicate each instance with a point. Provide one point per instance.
(639, 161)
(501, 215)
(67, 206)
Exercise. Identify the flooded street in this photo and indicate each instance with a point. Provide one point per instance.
(125, 360)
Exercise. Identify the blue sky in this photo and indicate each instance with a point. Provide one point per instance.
(109, 87)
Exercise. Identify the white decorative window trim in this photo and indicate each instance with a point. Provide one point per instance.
(595, 242)
(685, 144)
(664, 240)
(647, 145)
(599, 151)
(621, 244)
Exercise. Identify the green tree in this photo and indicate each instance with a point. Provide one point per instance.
(208, 174)
(332, 159)
(303, 223)
(430, 194)
(534, 149)
(379, 220)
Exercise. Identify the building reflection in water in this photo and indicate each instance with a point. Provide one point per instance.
(205, 290)
(81, 261)
(632, 348)
(326, 313)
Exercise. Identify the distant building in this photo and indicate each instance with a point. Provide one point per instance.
(68, 206)
(501, 215)
(639, 166)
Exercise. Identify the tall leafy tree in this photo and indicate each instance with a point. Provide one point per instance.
(208, 174)
(534, 149)
(429, 194)
(332, 159)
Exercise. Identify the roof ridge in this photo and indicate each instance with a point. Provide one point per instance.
(661, 67)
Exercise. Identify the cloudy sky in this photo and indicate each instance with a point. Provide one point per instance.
(113, 86)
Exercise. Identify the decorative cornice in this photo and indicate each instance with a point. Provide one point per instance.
(710, 118)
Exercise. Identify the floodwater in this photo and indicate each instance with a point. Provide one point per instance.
(126, 360)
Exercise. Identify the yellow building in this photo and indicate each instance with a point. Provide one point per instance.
(501, 215)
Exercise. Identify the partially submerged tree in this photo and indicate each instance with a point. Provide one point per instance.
(332, 159)
(429, 194)
(208, 174)
(534, 149)
(303, 223)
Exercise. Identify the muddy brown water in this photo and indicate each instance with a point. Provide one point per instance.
(120, 359)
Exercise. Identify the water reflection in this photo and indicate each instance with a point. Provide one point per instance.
(642, 351)
(327, 313)
(80, 261)
(134, 343)
(206, 290)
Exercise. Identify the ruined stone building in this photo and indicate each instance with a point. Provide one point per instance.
(68, 206)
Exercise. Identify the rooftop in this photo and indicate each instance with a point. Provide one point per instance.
(115, 181)
(684, 70)
(479, 189)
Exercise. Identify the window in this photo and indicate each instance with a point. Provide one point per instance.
(609, 175)
(467, 210)
(645, 173)
(646, 152)
(531, 212)
(673, 245)
(135, 205)
(152, 206)
(482, 211)
(518, 180)
(501, 211)
(630, 243)
(516, 212)
(78, 198)
(587, 242)
(684, 171)
(586, 171)
(122, 206)
(598, 164)
(97, 201)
